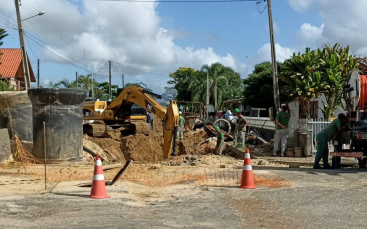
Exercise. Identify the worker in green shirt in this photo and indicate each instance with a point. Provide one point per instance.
(181, 124)
(324, 137)
(281, 132)
(220, 141)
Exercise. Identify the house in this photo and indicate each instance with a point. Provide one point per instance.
(11, 68)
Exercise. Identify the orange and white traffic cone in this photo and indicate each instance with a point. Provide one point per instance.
(98, 186)
(247, 180)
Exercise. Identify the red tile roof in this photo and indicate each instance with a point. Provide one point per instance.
(11, 64)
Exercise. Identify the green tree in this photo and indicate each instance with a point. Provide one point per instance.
(224, 84)
(102, 91)
(2, 35)
(318, 72)
(85, 82)
(302, 78)
(180, 80)
(336, 65)
(4, 86)
(259, 86)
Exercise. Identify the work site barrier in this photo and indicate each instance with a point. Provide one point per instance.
(313, 128)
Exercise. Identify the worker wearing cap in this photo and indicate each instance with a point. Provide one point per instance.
(240, 129)
(220, 141)
(322, 139)
(281, 132)
(181, 124)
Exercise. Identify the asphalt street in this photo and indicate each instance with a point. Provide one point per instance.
(316, 199)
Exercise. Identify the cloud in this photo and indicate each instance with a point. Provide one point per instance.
(264, 54)
(301, 5)
(311, 35)
(89, 33)
(343, 22)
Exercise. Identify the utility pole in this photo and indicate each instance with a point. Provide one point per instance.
(27, 80)
(123, 80)
(38, 73)
(207, 95)
(215, 92)
(92, 86)
(76, 80)
(110, 76)
(273, 60)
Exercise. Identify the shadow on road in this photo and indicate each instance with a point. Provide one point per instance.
(69, 194)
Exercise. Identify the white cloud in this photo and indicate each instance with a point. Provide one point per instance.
(264, 54)
(343, 22)
(310, 35)
(88, 31)
(300, 5)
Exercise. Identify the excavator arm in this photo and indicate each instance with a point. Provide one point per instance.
(142, 98)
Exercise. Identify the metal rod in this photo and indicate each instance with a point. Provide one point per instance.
(44, 151)
(109, 80)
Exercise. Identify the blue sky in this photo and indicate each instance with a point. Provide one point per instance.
(149, 40)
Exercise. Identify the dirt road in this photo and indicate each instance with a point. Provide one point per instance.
(205, 196)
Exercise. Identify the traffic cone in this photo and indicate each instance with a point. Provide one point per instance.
(247, 180)
(98, 186)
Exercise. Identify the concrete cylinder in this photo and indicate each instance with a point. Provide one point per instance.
(62, 112)
(16, 114)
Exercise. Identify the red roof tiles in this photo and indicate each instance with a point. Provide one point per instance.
(11, 64)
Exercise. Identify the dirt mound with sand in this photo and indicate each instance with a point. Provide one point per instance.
(144, 148)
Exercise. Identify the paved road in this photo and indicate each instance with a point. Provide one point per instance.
(316, 199)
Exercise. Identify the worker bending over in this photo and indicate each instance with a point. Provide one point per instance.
(240, 129)
(220, 141)
(324, 137)
(181, 124)
(281, 132)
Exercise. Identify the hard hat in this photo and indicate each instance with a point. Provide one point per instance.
(217, 128)
(180, 113)
(236, 110)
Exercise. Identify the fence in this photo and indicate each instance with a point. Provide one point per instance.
(313, 128)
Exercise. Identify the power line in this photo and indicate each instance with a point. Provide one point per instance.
(183, 1)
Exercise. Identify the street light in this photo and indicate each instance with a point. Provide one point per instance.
(27, 78)
(39, 14)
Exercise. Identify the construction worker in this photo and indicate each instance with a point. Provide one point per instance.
(240, 128)
(150, 119)
(324, 137)
(281, 132)
(181, 125)
(220, 141)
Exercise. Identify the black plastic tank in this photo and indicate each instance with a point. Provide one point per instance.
(16, 114)
(62, 112)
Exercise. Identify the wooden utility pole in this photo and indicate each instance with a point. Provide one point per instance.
(38, 73)
(109, 81)
(273, 60)
(215, 91)
(123, 80)
(76, 80)
(27, 80)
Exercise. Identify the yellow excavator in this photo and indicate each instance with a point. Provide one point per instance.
(97, 115)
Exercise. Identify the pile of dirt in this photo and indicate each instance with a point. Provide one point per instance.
(143, 148)
(194, 143)
(108, 148)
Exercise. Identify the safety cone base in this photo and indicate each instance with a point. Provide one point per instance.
(248, 187)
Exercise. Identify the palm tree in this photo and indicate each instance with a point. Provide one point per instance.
(65, 83)
(86, 83)
(217, 80)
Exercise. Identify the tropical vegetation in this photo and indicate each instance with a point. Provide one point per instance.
(316, 72)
